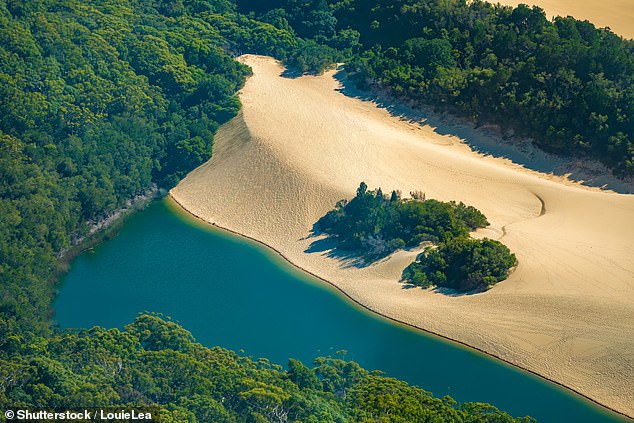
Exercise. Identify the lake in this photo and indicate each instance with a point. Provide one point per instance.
(231, 292)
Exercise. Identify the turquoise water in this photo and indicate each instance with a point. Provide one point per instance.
(232, 293)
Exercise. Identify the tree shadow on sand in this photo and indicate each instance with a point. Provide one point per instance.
(328, 246)
(447, 292)
(292, 73)
(489, 141)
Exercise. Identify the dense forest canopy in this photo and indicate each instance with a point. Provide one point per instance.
(100, 100)
(103, 100)
(564, 83)
(156, 363)
(376, 225)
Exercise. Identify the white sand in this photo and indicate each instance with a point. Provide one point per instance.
(616, 14)
(299, 145)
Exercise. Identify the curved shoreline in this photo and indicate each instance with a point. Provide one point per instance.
(300, 145)
(171, 199)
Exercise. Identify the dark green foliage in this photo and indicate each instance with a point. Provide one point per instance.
(471, 216)
(156, 363)
(462, 263)
(390, 400)
(564, 83)
(102, 100)
(301, 375)
(311, 57)
(378, 225)
(428, 54)
(99, 103)
(322, 44)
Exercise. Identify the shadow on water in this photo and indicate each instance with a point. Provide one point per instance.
(488, 140)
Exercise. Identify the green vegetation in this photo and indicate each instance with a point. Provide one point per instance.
(156, 363)
(463, 264)
(101, 101)
(564, 83)
(378, 225)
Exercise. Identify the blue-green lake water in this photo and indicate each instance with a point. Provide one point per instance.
(233, 293)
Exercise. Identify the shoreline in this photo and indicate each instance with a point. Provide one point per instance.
(300, 145)
(106, 228)
(173, 201)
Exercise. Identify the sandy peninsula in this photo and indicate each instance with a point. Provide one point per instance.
(299, 145)
(618, 15)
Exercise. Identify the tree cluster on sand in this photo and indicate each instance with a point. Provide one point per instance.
(376, 225)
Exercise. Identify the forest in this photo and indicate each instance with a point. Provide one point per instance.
(100, 102)
(103, 101)
(377, 225)
(156, 363)
(563, 83)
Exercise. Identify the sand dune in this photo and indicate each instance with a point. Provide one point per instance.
(299, 145)
(616, 14)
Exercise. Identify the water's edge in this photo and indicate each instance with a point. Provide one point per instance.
(179, 209)
(106, 227)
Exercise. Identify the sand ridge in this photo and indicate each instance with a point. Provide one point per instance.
(299, 145)
(618, 15)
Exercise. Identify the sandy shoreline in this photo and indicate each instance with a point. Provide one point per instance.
(196, 218)
(298, 146)
(618, 15)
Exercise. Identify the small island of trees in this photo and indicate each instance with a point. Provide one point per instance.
(377, 225)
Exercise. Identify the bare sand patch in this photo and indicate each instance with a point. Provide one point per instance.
(616, 14)
(299, 145)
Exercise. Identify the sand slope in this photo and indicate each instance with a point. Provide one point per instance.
(299, 145)
(616, 14)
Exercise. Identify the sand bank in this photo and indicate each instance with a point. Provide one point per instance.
(616, 14)
(299, 145)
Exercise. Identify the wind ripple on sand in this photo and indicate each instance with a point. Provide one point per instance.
(299, 145)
